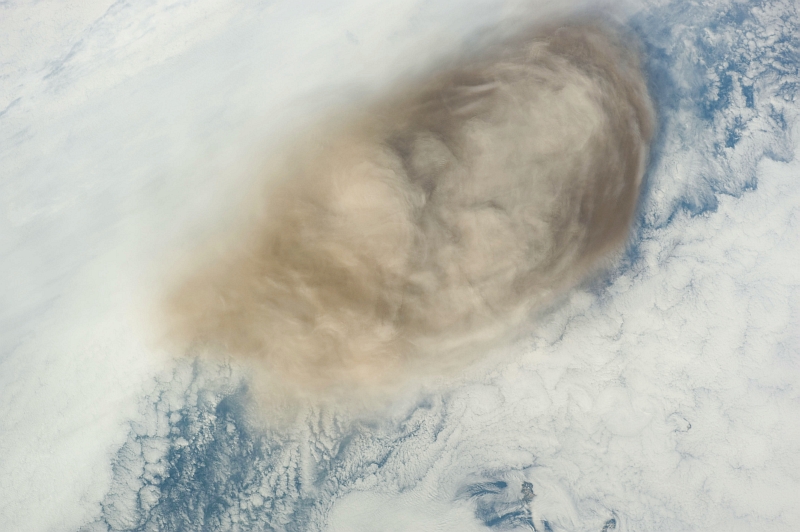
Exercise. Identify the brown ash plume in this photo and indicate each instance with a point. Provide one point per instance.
(410, 237)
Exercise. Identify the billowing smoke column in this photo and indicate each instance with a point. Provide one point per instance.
(405, 240)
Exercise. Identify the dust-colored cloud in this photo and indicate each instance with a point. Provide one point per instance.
(406, 237)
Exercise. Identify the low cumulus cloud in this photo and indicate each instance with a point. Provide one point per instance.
(405, 238)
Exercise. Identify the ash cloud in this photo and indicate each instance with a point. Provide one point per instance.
(406, 238)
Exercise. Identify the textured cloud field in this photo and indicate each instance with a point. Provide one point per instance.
(661, 395)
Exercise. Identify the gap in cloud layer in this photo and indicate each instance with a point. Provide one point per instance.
(725, 94)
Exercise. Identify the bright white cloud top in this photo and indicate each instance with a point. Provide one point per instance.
(663, 396)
